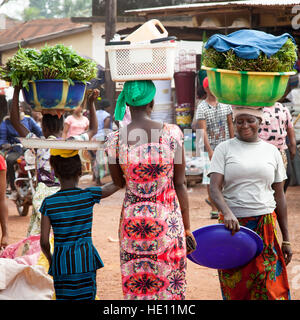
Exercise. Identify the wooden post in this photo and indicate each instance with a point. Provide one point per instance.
(110, 30)
(96, 8)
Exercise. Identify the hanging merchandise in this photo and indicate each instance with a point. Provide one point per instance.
(163, 91)
(185, 87)
(163, 112)
(184, 78)
(163, 106)
(186, 61)
(184, 115)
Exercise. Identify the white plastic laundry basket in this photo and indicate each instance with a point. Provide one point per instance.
(142, 60)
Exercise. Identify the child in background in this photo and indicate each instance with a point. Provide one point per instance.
(69, 211)
(52, 126)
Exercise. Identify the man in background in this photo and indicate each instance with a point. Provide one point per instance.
(8, 139)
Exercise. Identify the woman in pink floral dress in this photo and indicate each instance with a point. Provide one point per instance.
(148, 158)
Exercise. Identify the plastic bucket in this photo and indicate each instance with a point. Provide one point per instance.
(163, 91)
(257, 89)
(152, 29)
(185, 87)
(54, 94)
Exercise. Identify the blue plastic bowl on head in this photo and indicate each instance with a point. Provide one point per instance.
(54, 94)
(217, 248)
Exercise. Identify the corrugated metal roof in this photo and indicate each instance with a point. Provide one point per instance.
(38, 29)
(247, 3)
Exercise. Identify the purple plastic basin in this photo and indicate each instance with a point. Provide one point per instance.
(217, 248)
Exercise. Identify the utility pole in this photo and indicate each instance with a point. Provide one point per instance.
(96, 8)
(110, 30)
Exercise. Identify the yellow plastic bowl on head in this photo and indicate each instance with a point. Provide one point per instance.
(247, 88)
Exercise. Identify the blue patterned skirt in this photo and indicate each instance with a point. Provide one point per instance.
(78, 286)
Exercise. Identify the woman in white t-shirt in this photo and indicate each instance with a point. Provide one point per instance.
(246, 183)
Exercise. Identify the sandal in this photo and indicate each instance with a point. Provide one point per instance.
(208, 202)
(214, 215)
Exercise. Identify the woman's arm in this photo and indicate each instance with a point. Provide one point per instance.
(107, 123)
(112, 147)
(3, 210)
(116, 173)
(281, 212)
(215, 187)
(65, 130)
(93, 127)
(107, 126)
(108, 189)
(181, 192)
(15, 114)
(201, 124)
(292, 142)
(44, 240)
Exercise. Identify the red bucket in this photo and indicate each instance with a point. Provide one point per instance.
(185, 87)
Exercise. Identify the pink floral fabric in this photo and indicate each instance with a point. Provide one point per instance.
(152, 240)
(273, 129)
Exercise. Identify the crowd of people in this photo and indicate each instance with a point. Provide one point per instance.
(246, 151)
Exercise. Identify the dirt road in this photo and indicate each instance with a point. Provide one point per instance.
(202, 283)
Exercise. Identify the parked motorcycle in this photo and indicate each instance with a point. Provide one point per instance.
(25, 181)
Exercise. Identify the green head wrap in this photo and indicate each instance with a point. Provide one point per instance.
(135, 93)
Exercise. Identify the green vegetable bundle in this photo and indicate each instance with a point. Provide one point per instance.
(282, 61)
(57, 62)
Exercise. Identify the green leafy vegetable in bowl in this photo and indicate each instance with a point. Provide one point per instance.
(51, 62)
(282, 61)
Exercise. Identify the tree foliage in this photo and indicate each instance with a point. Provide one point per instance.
(57, 9)
(137, 4)
(38, 9)
(123, 5)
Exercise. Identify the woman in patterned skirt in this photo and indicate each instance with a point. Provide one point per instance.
(247, 176)
(148, 157)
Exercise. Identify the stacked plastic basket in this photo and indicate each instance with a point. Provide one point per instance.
(150, 59)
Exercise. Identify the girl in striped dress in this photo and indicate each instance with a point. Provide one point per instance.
(69, 212)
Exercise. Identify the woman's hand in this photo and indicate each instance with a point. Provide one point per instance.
(3, 243)
(191, 243)
(231, 222)
(93, 95)
(287, 253)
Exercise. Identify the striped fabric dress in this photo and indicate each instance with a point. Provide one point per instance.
(75, 259)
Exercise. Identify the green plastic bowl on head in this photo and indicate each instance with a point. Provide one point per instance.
(247, 88)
